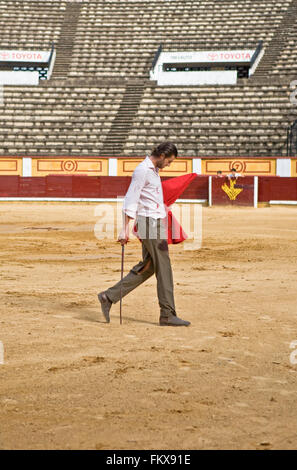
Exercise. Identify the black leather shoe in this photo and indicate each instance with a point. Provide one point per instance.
(105, 305)
(173, 321)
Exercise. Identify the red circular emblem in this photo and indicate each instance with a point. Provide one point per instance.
(238, 165)
(69, 165)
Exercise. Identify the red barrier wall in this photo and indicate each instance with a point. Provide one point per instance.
(59, 186)
(239, 191)
(198, 189)
(32, 187)
(84, 186)
(114, 186)
(274, 188)
(270, 187)
(9, 186)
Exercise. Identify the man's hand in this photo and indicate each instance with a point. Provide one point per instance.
(123, 237)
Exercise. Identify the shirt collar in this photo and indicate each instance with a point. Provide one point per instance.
(150, 164)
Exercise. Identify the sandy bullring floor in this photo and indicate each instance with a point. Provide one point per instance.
(71, 381)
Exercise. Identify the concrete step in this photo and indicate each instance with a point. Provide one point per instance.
(66, 41)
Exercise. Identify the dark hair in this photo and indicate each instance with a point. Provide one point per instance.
(168, 148)
(233, 169)
(219, 171)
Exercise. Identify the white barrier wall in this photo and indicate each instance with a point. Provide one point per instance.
(27, 166)
(224, 77)
(283, 167)
(112, 167)
(19, 78)
(196, 162)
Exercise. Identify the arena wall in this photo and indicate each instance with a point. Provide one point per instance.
(277, 189)
(242, 192)
(83, 187)
(124, 166)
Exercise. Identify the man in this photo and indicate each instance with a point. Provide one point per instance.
(233, 174)
(144, 203)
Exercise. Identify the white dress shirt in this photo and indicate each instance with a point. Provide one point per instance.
(234, 175)
(145, 195)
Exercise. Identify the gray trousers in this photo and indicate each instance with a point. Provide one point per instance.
(155, 259)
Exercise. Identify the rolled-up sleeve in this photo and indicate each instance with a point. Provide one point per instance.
(133, 194)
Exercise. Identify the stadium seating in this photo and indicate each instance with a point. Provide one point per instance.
(30, 24)
(71, 120)
(120, 38)
(281, 53)
(241, 120)
(286, 64)
(63, 120)
(101, 102)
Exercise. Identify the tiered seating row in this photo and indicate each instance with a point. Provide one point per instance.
(120, 38)
(30, 24)
(241, 120)
(209, 121)
(56, 121)
(287, 63)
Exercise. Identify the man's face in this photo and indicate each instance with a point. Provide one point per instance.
(164, 161)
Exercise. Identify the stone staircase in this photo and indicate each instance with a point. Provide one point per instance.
(65, 44)
(277, 44)
(123, 122)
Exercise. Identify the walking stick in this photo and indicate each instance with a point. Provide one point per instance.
(122, 272)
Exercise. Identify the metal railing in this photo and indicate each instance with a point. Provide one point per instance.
(157, 55)
(51, 54)
(292, 140)
(256, 53)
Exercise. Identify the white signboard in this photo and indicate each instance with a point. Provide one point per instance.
(206, 57)
(226, 77)
(200, 57)
(24, 56)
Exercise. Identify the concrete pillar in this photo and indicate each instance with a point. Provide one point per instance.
(27, 166)
(197, 166)
(210, 191)
(112, 167)
(256, 181)
(283, 167)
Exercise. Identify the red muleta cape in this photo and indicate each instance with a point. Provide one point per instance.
(172, 189)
